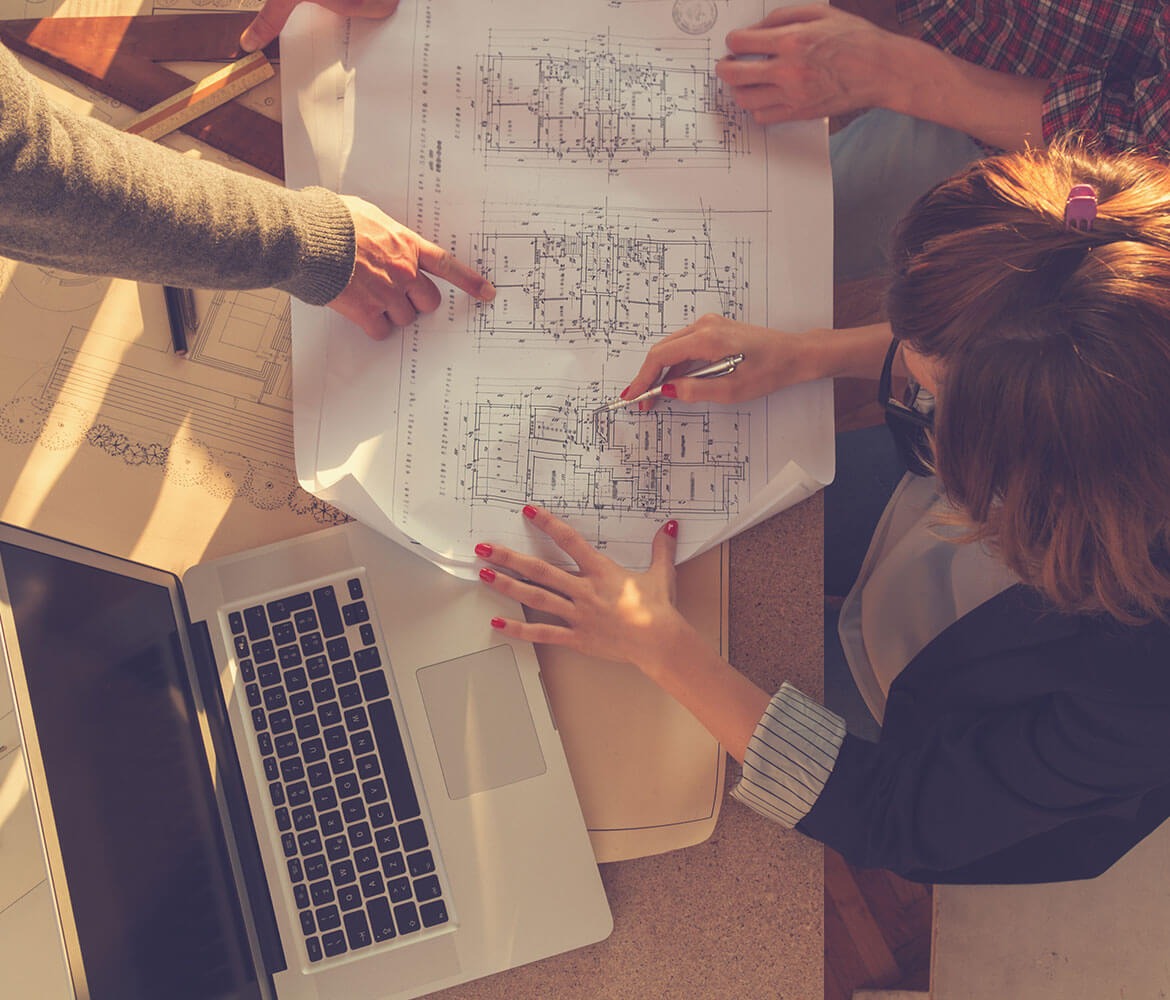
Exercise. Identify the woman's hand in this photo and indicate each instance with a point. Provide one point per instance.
(772, 360)
(607, 611)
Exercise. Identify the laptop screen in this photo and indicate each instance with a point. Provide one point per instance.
(148, 876)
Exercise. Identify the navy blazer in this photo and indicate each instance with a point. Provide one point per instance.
(1021, 745)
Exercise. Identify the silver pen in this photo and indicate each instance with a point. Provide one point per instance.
(713, 370)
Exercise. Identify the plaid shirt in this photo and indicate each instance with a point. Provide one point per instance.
(1107, 60)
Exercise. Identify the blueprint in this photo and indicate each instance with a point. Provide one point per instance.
(595, 169)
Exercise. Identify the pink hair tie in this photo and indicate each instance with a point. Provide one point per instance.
(1080, 210)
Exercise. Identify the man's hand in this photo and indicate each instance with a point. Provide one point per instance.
(389, 286)
(273, 16)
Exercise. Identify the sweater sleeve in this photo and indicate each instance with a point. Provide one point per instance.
(80, 195)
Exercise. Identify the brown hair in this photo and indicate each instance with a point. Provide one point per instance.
(1051, 433)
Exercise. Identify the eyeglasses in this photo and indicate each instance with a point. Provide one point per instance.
(909, 419)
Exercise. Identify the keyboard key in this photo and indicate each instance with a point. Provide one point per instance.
(254, 696)
(290, 656)
(236, 622)
(305, 621)
(356, 718)
(271, 770)
(341, 761)
(319, 775)
(313, 947)
(268, 674)
(362, 742)
(365, 859)
(406, 917)
(333, 943)
(349, 695)
(368, 766)
(307, 726)
(247, 671)
(292, 769)
(282, 610)
(328, 917)
(413, 834)
(394, 766)
(312, 645)
(301, 896)
(356, 613)
(308, 924)
(421, 863)
(381, 922)
(343, 671)
(434, 913)
(263, 651)
(309, 843)
(289, 843)
(316, 868)
(329, 713)
(335, 737)
(286, 745)
(338, 649)
(360, 835)
(393, 865)
(304, 818)
(427, 888)
(274, 698)
(372, 885)
(296, 679)
(322, 892)
(354, 585)
(295, 872)
(316, 666)
(387, 840)
(399, 889)
(301, 703)
(283, 633)
(357, 931)
(380, 816)
(337, 848)
(332, 824)
(256, 622)
(353, 810)
(328, 612)
(374, 686)
(348, 786)
(374, 790)
(259, 720)
(323, 689)
(313, 751)
(280, 721)
(367, 633)
(343, 872)
(349, 897)
(298, 793)
(276, 793)
(323, 798)
(283, 819)
(241, 645)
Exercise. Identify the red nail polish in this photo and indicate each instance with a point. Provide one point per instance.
(483, 550)
(671, 528)
(529, 511)
(642, 407)
(670, 390)
(487, 575)
(625, 392)
(498, 623)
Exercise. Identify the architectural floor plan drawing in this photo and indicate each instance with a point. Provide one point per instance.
(596, 171)
(602, 100)
(547, 445)
(618, 278)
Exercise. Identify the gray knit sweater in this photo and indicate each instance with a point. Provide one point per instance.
(80, 195)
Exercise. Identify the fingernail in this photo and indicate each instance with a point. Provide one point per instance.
(248, 40)
(670, 390)
(642, 407)
(671, 528)
(624, 393)
(529, 511)
(487, 575)
(498, 623)
(483, 550)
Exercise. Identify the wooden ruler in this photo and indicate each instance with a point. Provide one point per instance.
(212, 91)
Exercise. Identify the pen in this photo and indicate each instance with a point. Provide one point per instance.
(724, 367)
(180, 316)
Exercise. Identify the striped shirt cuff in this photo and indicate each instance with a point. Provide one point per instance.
(789, 757)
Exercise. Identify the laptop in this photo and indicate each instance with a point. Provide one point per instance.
(307, 771)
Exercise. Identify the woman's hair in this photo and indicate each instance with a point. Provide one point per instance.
(1052, 427)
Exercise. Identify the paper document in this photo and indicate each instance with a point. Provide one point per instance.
(594, 168)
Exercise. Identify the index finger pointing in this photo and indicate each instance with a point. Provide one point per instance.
(435, 260)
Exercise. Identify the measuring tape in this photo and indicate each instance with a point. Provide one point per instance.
(213, 90)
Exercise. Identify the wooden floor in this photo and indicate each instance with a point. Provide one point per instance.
(877, 930)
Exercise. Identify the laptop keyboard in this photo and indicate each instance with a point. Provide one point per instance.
(359, 855)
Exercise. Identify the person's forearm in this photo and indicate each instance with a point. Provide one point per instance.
(719, 696)
(854, 352)
(79, 195)
(999, 109)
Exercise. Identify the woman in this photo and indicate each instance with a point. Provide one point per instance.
(1011, 623)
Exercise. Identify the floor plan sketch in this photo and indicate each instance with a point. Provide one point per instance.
(545, 445)
(616, 277)
(603, 101)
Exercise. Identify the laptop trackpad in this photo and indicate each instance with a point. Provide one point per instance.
(481, 721)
